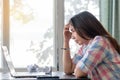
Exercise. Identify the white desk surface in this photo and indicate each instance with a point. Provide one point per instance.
(62, 76)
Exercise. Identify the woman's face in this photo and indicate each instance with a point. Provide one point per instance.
(79, 40)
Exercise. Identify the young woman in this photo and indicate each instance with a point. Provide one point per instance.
(99, 53)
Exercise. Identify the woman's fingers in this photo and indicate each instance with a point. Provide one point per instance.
(66, 28)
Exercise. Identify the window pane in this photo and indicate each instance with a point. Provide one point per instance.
(73, 7)
(32, 32)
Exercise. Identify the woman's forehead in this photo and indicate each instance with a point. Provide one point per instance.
(71, 27)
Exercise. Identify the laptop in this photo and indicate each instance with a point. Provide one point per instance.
(15, 74)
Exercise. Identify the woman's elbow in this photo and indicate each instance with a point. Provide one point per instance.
(78, 73)
(68, 72)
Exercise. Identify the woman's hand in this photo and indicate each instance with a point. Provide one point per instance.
(67, 33)
(78, 73)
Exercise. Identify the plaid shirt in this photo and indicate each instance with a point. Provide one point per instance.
(99, 60)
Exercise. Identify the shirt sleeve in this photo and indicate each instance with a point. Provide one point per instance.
(94, 54)
(76, 58)
(79, 55)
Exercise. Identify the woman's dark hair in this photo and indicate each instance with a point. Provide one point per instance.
(87, 26)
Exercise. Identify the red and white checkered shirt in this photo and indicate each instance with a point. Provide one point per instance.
(99, 60)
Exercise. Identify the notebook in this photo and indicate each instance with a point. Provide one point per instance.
(21, 74)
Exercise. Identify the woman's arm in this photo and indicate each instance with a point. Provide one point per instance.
(79, 73)
(69, 66)
(67, 61)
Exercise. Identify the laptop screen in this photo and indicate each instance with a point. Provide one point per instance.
(8, 59)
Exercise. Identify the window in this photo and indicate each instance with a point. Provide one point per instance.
(31, 32)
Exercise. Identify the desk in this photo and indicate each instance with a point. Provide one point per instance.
(62, 76)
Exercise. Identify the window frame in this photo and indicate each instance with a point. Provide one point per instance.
(58, 25)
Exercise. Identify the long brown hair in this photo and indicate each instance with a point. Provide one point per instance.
(87, 25)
